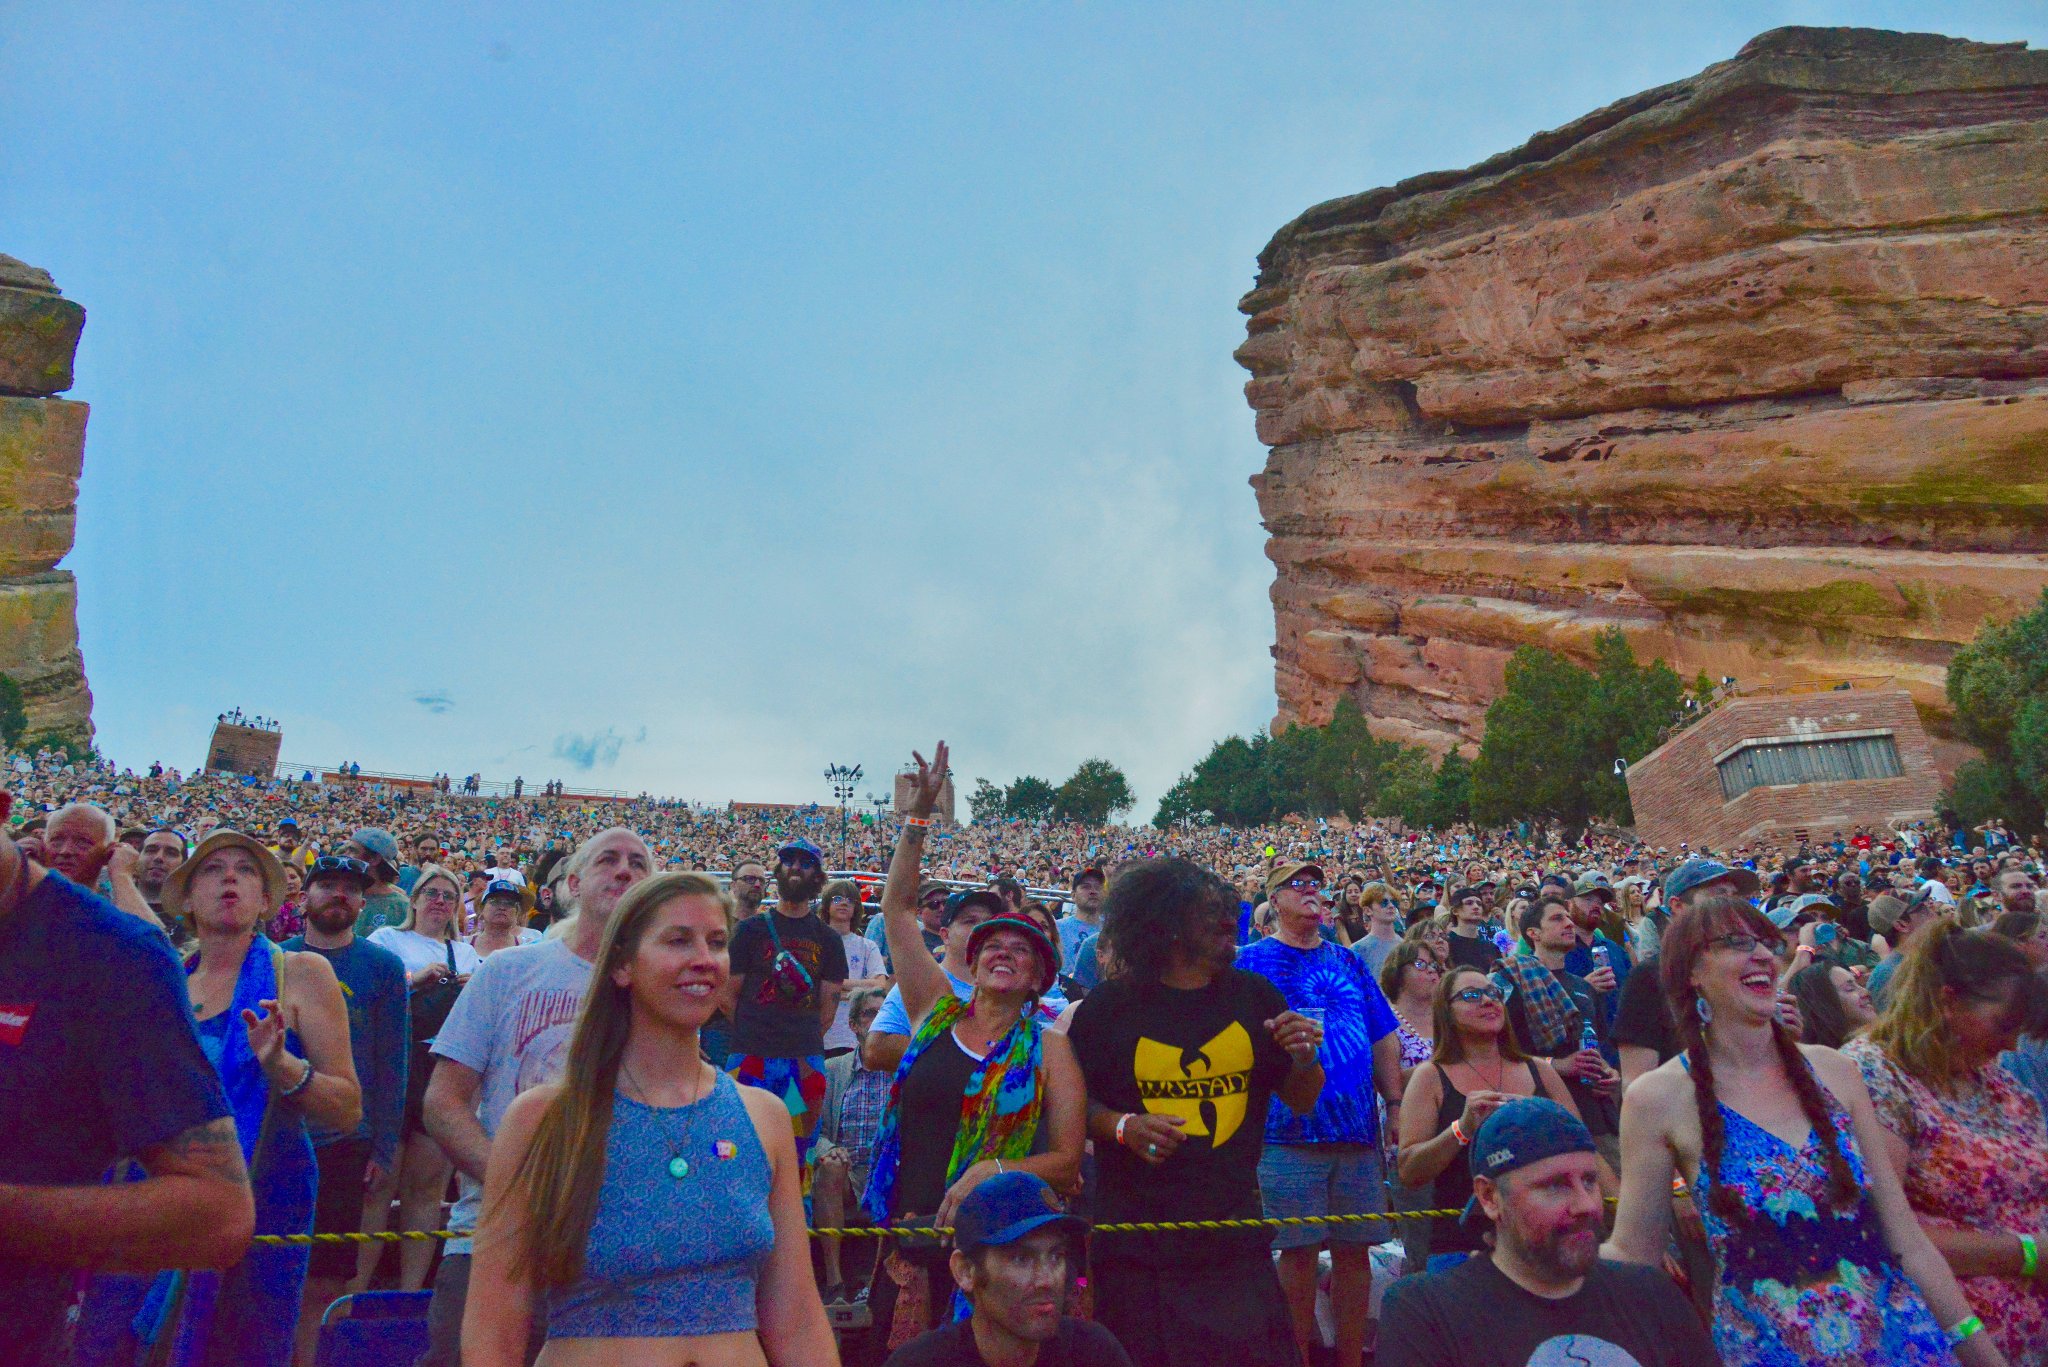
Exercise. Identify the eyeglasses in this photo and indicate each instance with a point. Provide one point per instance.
(1428, 966)
(1742, 942)
(438, 895)
(1472, 996)
(758, 879)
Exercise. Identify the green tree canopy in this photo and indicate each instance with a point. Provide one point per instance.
(1999, 686)
(1336, 769)
(1096, 792)
(1029, 799)
(13, 713)
(1553, 735)
(986, 802)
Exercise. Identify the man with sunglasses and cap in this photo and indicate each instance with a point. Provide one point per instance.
(788, 968)
(100, 1061)
(1327, 1162)
(1544, 1295)
(383, 904)
(1015, 1253)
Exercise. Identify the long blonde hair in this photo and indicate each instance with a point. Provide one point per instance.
(1913, 1031)
(559, 1179)
(428, 873)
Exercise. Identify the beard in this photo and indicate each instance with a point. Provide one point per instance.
(329, 918)
(1565, 1251)
(800, 888)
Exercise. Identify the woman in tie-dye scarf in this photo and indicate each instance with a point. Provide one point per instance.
(984, 1087)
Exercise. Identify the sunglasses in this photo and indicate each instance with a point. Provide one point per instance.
(1305, 884)
(797, 859)
(338, 863)
(1472, 996)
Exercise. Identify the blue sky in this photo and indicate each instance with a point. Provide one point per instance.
(684, 397)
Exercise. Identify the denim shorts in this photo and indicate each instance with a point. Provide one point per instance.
(1324, 1179)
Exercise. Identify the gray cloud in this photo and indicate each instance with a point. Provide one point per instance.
(436, 701)
(600, 748)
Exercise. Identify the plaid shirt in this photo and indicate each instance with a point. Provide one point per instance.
(1553, 1016)
(860, 1116)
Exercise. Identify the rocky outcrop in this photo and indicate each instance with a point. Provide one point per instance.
(1753, 367)
(42, 448)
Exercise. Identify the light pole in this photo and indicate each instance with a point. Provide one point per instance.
(844, 781)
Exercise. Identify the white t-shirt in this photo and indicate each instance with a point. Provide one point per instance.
(512, 1025)
(863, 960)
(416, 951)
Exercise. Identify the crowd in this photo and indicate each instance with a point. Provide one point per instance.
(1592, 1101)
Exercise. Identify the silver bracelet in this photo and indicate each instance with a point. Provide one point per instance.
(305, 1081)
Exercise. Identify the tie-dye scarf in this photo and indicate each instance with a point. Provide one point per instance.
(999, 1108)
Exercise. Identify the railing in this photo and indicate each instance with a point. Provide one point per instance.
(325, 773)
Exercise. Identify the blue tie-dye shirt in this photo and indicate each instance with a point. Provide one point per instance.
(1356, 1015)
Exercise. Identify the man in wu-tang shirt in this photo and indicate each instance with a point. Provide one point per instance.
(1182, 1052)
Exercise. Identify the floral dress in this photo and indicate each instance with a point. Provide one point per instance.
(1979, 1160)
(1801, 1283)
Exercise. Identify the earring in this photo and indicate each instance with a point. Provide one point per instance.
(1706, 1012)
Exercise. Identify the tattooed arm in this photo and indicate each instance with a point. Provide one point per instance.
(194, 1210)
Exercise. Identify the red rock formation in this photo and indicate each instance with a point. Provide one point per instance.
(1753, 366)
(42, 447)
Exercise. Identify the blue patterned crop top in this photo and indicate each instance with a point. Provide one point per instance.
(668, 1256)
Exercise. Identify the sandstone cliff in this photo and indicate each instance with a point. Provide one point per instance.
(1753, 366)
(42, 448)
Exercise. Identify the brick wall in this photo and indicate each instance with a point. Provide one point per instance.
(1676, 789)
(243, 749)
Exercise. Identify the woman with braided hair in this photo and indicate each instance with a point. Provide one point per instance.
(1820, 1259)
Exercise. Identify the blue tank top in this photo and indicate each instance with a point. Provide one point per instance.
(213, 1037)
(672, 1257)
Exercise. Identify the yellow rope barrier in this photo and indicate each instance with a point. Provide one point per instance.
(929, 1231)
(940, 1232)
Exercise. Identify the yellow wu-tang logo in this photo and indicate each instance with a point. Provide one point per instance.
(1205, 1086)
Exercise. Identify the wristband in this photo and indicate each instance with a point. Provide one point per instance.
(2030, 1256)
(1964, 1329)
(1459, 1130)
(305, 1080)
(1122, 1121)
(921, 822)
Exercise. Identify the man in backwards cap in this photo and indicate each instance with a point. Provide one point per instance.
(1544, 1294)
(1014, 1255)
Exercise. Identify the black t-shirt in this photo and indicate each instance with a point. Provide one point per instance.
(1206, 1056)
(1473, 1316)
(766, 1021)
(1642, 1018)
(1079, 1343)
(1474, 951)
(99, 1060)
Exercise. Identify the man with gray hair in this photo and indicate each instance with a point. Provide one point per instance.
(508, 1031)
(78, 839)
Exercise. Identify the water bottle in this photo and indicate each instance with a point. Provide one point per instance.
(1589, 1038)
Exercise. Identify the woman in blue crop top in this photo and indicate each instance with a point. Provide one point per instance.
(1818, 1257)
(651, 1203)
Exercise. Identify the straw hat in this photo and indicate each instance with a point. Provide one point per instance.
(180, 881)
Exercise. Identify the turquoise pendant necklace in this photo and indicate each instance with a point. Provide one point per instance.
(678, 1166)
